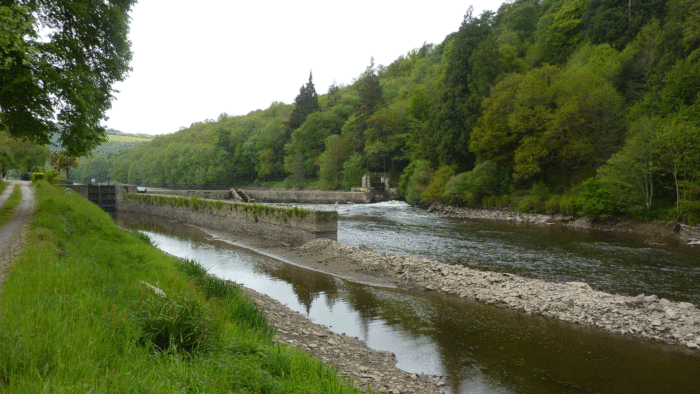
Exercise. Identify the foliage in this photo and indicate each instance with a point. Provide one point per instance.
(539, 92)
(594, 199)
(21, 155)
(436, 187)
(63, 56)
(472, 187)
(353, 170)
(536, 199)
(331, 161)
(62, 161)
(418, 181)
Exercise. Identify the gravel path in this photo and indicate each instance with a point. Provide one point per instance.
(13, 234)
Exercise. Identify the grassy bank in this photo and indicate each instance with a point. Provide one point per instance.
(3, 186)
(8, 208)
(92, 308)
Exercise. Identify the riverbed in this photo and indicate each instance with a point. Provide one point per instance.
(476, 348)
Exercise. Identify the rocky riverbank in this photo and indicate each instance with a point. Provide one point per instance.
(575, 302)
(350, 356)
(651, 233)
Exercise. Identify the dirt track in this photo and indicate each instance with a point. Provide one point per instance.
(13, 234)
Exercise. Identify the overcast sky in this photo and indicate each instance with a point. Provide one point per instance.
(195, 60)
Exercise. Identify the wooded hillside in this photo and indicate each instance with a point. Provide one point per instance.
(586, 106)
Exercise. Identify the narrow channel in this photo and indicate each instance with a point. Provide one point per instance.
(477, 348)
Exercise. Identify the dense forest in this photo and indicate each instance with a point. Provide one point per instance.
(579, 106)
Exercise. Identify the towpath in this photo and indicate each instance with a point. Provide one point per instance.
(13, 235)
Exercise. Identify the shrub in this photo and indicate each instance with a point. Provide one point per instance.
(524, 206)
(421, 173)
(687, 211)
(593, 199)
(438, 182)
(553, 203)
(566, 204)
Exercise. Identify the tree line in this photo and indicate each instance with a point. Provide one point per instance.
(578, 106)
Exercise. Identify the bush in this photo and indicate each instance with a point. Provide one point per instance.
(566, 204)
(36, 176)
(536, 199)
(353, 170)
(455, 189)
(418, 181)
(593, 199)
(438, 182)
(553, 203)
(687, 211)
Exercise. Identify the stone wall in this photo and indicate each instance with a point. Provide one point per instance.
(210, 194)
(310, 196)
(292, 225)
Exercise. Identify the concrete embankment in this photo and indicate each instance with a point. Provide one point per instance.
(575, 302)
(314, 196)
(292, 225)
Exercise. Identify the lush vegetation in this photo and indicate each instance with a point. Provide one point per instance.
(583, 106)
(100, 163)
(89, 307)
(21, 156)
(10, 206)
(59, 59)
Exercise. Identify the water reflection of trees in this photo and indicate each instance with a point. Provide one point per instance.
(306, 284)
(525, 353)
(157, 224)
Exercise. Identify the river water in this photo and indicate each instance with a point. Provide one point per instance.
(476, 348)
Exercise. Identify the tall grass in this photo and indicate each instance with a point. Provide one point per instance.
(10, 205)
(78, 313)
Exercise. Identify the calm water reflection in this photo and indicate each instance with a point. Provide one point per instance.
(476, 347)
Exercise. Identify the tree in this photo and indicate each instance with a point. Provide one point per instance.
(353, 170)
(305, 103)
(63, 161)
(60, 59)
(678, 143)
(447, 136)
(631, 173)
(331, 161)
(21, 155)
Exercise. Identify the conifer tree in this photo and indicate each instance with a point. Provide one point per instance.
(305, 104)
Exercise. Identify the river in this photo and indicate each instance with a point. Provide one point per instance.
(477, 348)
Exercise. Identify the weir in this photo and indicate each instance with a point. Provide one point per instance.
(293, 225)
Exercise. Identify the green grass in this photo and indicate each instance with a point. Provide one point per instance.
(3, 186)
(10, 205)
(77, 314)
(127, 138)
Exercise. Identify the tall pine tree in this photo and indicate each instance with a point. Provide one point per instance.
(305, 104)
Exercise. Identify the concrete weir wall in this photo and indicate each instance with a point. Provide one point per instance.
(357, 196)
(292, 225)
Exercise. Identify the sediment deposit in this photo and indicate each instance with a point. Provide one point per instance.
(576, 302)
